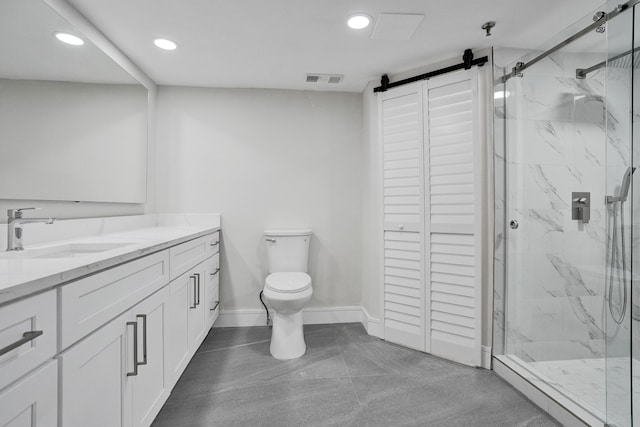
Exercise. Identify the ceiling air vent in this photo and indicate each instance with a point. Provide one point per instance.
(325, 78)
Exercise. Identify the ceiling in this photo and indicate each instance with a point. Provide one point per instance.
(275, 43)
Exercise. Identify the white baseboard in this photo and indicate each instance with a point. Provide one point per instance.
(372, 325)
(486, 357)
(321, 315)
(247, 317)
(310, 316)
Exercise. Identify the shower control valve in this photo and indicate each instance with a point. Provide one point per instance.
(581, 206)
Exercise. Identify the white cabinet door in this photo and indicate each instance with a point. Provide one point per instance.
(150, 387)
(94, 376)
(187, 327)
(178, 329)
(33, 400)
(197, 306)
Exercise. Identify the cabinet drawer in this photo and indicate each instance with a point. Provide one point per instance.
(212, 290)
(91, 302)
(189, 254)
(32, 401)
(37, 313)
(214, 242)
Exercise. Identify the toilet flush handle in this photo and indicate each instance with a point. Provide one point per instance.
(269, 239)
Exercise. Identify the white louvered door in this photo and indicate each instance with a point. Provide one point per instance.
(452, 219)
(431, 208)
(403, 186)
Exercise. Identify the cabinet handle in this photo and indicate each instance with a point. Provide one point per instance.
(215, 272)
(144, 338)
(135, 349)
(215, 306)
(194, 291)
(214, 244)
(26, 337)
(198, 286)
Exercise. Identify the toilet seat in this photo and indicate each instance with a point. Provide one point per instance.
(288, 282)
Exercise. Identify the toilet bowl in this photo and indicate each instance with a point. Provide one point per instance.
(287, 294)
(287, 289)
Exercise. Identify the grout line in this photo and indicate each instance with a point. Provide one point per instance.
(353, 386)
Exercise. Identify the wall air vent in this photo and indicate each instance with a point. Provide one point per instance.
(325, 78)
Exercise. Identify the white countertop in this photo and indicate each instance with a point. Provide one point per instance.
(143, 235)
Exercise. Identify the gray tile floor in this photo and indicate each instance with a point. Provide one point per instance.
(346, 378)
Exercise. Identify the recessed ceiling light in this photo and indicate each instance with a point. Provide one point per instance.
(165, 44)
(358, 22)
(69, 39)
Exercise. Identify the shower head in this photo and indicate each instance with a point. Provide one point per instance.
(626, 182)
(625, 61)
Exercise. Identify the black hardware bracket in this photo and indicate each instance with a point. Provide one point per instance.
(467, 63)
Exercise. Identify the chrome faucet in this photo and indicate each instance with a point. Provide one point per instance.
(14, 227)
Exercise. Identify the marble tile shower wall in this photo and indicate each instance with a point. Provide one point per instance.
(555, 133)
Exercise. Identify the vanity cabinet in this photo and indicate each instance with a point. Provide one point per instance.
(106, 349)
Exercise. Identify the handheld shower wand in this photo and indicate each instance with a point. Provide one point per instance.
(616, 252)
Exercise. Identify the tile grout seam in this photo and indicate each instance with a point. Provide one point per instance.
(353, 386)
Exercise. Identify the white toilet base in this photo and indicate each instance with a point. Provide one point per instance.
(287, 336)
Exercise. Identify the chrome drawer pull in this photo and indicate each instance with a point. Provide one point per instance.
(213, 245)
(135, 349)
(215, 306)
(215, 272)
(144, 338)
(198, 278)
(26, 337)
(194, 291)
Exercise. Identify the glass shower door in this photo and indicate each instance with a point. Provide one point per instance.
(619, 203)
(556, 263)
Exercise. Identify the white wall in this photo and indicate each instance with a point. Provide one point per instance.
(372, 203)
(267, 159)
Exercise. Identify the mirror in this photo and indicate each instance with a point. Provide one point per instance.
(73, 123)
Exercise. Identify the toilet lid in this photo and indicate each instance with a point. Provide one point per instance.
(288, 282)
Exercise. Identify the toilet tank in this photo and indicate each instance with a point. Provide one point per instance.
(287, 250)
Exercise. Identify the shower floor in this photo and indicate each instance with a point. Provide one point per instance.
(584, 382)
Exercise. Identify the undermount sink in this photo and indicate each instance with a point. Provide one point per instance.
(66, 250)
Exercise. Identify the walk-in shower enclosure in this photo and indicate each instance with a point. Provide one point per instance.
(567, 243)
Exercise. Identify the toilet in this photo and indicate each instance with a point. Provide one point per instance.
(287, 289)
